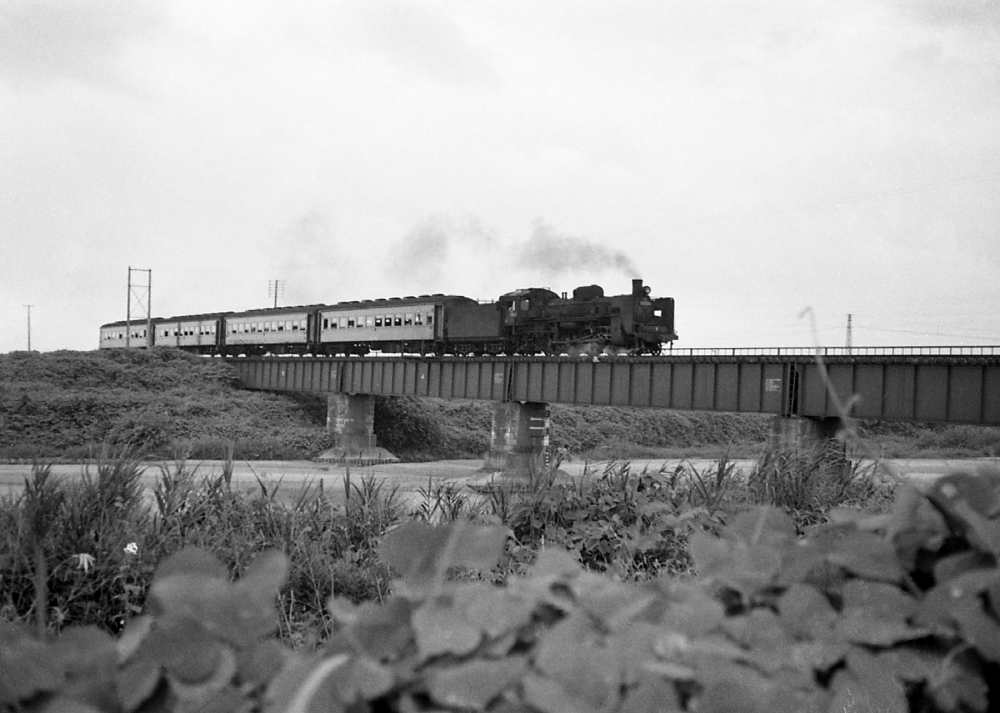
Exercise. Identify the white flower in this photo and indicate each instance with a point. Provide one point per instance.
(84, 561)
(132, 548)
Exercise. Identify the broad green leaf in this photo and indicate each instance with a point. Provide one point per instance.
(64, 703)
(869, 556)
(90, 660)
(86, 651)
(422, 553)
(875, 613)
(257, 664)
(909, 663)
(615, 604)
(869, 695)
(757, 629)
(572, 654)
(633, 647)
(383, 631)
(26, 666)
(472, 685)
(202, 693)
(867, 685)
(191, 596)
(959, 685)
(687, 609)
(861, 626)
(441, 628)
(744, 691)
(884, 600)
(977, 627)
(805, 611)
(358, 680)
(498, 611)
(955, 565)
(193, 561)
(734, 562)
(285, 686)
(914, 525)
(554, 563)
(266, 574)
(820, 655)
(135, 631)
(136, 682)
(186, 650)
(548, 696)
(653, 694)
(762, 527)
(973, 505)
(958, 602)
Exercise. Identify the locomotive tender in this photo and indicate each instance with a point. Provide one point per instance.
(526, 321)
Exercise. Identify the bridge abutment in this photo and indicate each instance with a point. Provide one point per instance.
(351, 420)
(519, 438)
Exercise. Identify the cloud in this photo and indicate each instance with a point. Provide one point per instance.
(551, 253)
(968, 14)
(422, 40)
(47, 40)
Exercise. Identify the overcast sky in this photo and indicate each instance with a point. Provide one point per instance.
(750, 158)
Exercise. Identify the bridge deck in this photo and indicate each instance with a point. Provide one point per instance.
(957, 387)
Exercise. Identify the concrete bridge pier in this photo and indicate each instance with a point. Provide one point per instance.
(802, 433)
(351, 420)
(520, 438)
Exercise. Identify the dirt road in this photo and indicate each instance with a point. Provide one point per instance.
(409, 478)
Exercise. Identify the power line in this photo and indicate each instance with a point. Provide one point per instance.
(985, 335)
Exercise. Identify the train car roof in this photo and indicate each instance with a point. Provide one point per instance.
(267, 311)
(437, 298)
(163, 320)
(399, 301)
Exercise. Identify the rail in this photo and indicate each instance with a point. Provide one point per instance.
(837, 351)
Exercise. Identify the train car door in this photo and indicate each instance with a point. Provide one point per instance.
(314, 327)
(439, 326)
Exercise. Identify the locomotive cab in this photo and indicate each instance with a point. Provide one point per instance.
(653, 318)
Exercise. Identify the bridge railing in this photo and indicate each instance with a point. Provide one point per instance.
(838, 351)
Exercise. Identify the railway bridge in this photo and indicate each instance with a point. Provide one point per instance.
(801, 387)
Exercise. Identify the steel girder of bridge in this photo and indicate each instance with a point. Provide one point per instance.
(944, 388)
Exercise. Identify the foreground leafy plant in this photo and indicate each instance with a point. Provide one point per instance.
(887, 612)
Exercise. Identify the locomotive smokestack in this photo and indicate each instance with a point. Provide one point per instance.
(637, 286)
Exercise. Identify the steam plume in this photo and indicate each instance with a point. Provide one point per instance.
(552, 253)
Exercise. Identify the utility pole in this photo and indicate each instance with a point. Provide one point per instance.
(29, 325)
(850, 337)
(274, 289)
(147, 306)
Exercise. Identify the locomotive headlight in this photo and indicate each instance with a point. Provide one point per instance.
(647, 289)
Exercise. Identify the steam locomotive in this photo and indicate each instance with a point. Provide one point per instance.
(527, 321)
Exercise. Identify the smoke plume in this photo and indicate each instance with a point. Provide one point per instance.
(552, 253)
